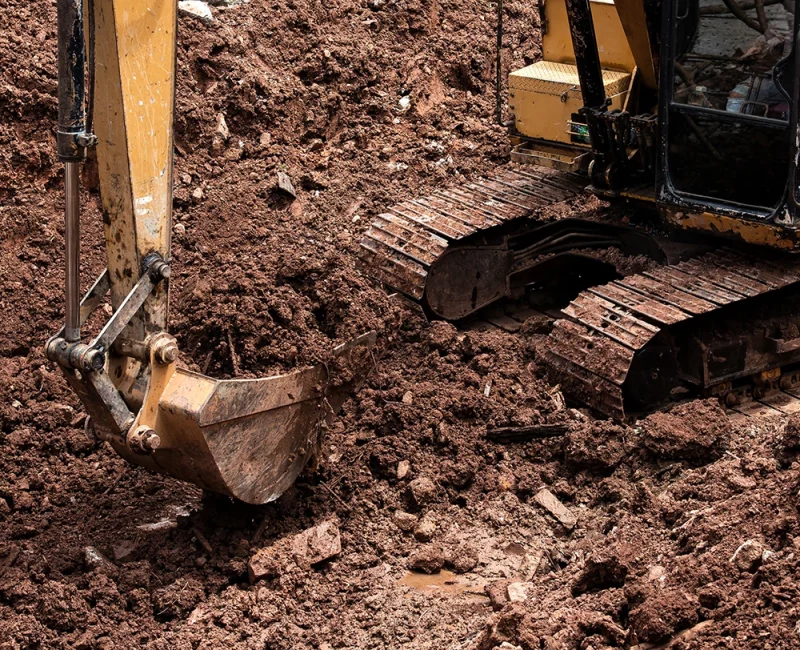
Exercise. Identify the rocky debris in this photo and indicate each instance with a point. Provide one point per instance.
(317, 544)
(306, 549)
(749, 556)
(423, 491)
(405, 521)
(96, 561)
(429, 559)
(403, 468)
(547, 500)
(284, 183)
(603, 572)
(222, 127)
(408, 398)
(517, 592)
(425, 529)
(197, 9)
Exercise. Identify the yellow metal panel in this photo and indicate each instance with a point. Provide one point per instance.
(752, 232)
(611, 41)
(134, 105)
(634, 24)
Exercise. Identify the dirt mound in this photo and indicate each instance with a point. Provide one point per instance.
(682, 525)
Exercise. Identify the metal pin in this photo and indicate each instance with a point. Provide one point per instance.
(72, 238)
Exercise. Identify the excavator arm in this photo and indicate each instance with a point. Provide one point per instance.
(247, 439)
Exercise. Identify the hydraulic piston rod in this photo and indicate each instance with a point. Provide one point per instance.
(72, 140)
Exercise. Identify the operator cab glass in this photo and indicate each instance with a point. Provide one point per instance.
(728, 115)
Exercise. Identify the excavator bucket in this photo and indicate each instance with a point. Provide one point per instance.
(248, 439)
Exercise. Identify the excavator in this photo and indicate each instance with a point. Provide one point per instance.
(682, 117)
(247, 439)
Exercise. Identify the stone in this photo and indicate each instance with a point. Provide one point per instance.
(222, 127)
(405, 521)
(465, 558)
(517, 592)
(180, 229)
(430, 559)
(317, 544)
(550, 502)
(423, 491)
(197, 195)
(5, 509)
(196, 9)
(265, 139)
(425, 529)
(748, 556)
(408, 397)
(95, 560)
(403, 468)
(285, 184)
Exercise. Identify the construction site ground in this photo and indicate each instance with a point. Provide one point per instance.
(680, 531)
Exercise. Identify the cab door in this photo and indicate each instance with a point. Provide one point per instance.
(726, 110)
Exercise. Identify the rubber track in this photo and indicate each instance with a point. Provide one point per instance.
(403, 242)
(591, 350)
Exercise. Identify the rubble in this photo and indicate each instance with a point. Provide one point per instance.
(95, 560)
(306, 549)
(551, 504)
(317, 544)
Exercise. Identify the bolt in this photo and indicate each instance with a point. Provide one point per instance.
(143, 440)
(94, 360)
(165, 349)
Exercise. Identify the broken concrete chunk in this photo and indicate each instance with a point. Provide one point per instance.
(222, 127)
(317, 544)
(196, 9)
(285, 184)
(549, 502)
(308, 548)
(265, 563)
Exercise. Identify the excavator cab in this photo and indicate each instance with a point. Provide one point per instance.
(726, 112)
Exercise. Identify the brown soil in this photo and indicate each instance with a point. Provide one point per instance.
(97, 554)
